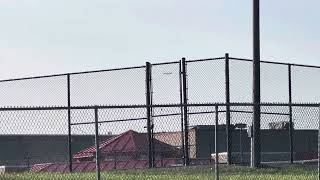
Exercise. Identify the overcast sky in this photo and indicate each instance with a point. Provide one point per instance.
(40, 37)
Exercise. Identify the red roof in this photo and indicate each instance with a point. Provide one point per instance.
(128, 142)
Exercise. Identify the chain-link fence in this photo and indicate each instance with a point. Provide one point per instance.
(208, 80)
(108, 139)
(159, 116)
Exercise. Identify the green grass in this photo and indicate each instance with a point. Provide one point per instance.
(200, 173)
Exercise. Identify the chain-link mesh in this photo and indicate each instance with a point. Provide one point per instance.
(240, 81)
(241, 122)
(124, 142)
(275, 141)
(49, 91)
(206, 81)
(304, 86)
(306, 124)
(274, 83)
(166, 86)
(42, 136)
(32, 137)
(108, 87)
(168, 136)
(201, 134)
(128, 146)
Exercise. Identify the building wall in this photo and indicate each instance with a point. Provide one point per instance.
(175, 139)
(305, 141)
(31, 149)
(172, 138)
(205, 140)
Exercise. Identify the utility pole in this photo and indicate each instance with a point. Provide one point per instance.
(256, 146)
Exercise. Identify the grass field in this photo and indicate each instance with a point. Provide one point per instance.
(201, 173)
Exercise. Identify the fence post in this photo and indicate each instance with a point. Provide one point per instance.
(185, 111)
(216, 133)
(291, 128)
(181, 110)
(69, 124)
(148, 103)
(151, 118)
(97, 143)
(228, 128)
(115, 160)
